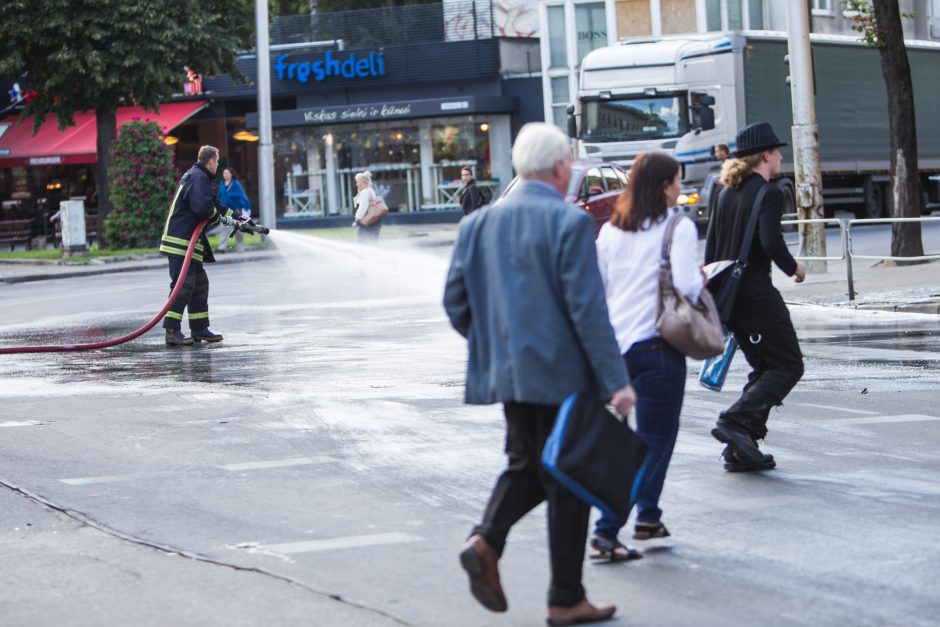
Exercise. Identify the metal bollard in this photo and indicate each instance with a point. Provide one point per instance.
(847, 252)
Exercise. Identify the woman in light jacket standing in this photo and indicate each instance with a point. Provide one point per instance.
(363, 198)
(233, 196)
(629, 249)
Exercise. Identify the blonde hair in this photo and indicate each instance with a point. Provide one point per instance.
(734, 171)
(364, 176)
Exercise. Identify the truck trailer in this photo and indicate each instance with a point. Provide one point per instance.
(683, 94)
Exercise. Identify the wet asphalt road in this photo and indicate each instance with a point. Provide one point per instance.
(325, 442)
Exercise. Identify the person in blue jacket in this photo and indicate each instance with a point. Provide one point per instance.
(232, 194)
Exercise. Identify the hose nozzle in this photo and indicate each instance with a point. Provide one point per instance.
(249, 226)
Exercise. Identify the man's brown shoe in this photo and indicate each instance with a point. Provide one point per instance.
(480, 561)
(578, 614)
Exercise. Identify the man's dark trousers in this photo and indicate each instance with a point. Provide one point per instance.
(765, 333)
(525, 484)
(194, 294)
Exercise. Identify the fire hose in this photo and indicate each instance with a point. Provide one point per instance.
(246, 226)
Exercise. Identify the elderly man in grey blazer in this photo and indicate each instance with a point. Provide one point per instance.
(525, 291)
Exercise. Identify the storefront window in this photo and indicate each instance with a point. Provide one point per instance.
(557, 46)
(455, 146)
(390, 152)
(591, 27)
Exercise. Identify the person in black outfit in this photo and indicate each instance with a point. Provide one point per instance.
(195, 200)
(759, 319)
(471, 198)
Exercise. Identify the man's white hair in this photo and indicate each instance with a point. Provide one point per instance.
(538, 146)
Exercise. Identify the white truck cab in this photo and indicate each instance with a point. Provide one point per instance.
(673, 93)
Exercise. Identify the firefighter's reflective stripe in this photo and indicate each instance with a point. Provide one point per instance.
(179, 190)
(169, 239)
(174, 315)
(198, 315)
(172, 250)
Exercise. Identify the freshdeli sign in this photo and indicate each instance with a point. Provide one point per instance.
(354, 65)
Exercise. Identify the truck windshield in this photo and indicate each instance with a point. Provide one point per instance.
(628, 119)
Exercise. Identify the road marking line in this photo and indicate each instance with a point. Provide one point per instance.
(349, 542)
(834, 408)
(276, 463)
(105, 479)
(21, 423)
(874, 420)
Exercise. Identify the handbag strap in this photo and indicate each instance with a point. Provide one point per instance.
(664, 261)
(751, 226)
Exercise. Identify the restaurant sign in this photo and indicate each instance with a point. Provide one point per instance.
(45, 160)
(367, 112)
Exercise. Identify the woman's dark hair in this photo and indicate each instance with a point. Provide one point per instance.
(644, 198)
(232, 170)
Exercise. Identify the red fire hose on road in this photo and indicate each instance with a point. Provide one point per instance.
(64, 348)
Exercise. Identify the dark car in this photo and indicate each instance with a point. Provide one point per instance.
(594, 187)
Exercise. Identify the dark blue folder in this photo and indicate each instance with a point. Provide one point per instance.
(595, 455)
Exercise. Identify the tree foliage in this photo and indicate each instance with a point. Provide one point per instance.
(142, 186)
(82, 55)
(79, 55)
(862, 14)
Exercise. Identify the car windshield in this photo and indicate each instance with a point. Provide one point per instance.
(629, 119)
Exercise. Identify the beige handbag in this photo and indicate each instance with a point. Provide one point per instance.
(693, 329)
(374, 212)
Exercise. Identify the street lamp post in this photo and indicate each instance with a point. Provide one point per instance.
(805, 135)
(265, 144)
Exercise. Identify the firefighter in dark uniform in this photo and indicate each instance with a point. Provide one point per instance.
(195, 200)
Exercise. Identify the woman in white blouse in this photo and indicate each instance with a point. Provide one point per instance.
(364, 196)
(629, 249)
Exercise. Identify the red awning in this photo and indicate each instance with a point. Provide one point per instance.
(77, 144)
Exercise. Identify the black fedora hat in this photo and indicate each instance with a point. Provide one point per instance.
(755, 138)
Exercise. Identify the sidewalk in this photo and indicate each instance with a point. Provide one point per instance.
(912, 289)
(22, 270)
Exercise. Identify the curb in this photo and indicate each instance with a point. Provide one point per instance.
(148, 265)
(916, 308)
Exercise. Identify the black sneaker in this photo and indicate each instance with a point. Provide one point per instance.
(174, 337)
(207, 336)
(733, 464)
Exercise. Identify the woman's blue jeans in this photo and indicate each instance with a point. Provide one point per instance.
(657, 373)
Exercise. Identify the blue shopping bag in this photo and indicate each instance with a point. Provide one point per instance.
(715, 369)
(595, 455)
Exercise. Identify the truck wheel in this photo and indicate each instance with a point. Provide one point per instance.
(874, 206)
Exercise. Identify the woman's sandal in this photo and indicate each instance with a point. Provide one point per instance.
(648, 531)
(612, 550)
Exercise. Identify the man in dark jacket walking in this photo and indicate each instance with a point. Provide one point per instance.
(525, 291)
(195, 200)
(759, 319)
(471, 198)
